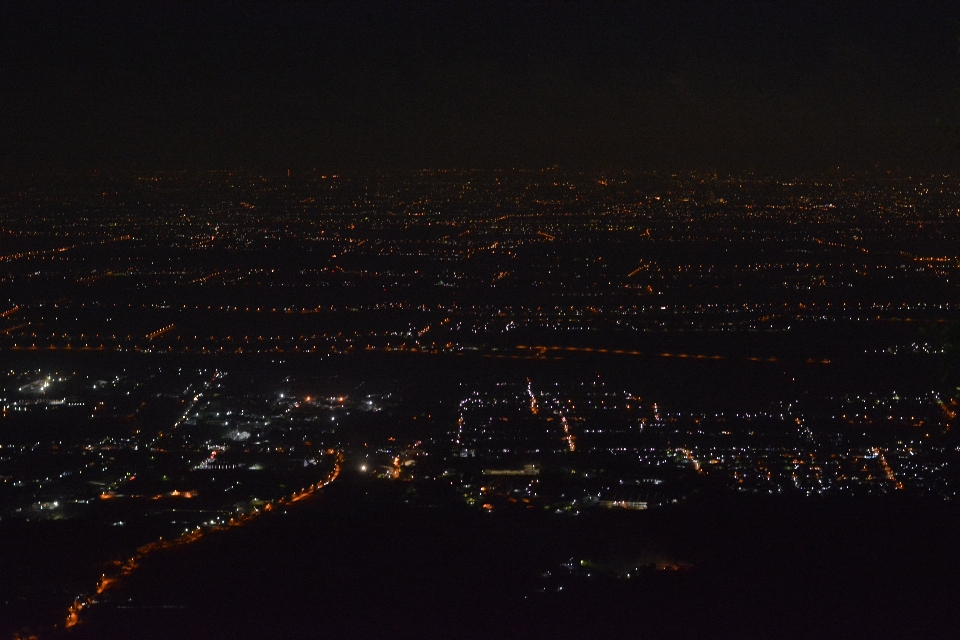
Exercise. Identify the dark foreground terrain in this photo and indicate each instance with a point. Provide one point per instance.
(373, 558)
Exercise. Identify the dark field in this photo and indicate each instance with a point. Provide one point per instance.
(359, 562)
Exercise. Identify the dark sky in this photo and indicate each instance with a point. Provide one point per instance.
(727, 85)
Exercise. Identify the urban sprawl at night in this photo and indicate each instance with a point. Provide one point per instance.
(188, 353)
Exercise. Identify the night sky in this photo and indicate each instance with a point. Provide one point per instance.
(762, 86)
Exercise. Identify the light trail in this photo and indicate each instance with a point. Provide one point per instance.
(947, 411)
(209, 275)
(31, 254)
(159, 332)
(11, 329)
(541, 349)
(887, 470)
(689, 456)
(124, 568)
(189, 407)
(568, 436)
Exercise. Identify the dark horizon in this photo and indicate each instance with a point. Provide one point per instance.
(742, 86)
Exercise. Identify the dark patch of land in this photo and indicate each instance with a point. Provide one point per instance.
(370, 559)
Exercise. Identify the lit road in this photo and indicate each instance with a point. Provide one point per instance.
(128, 566)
